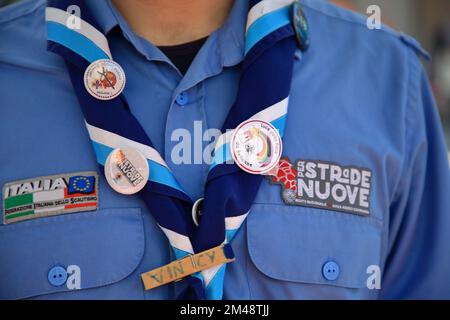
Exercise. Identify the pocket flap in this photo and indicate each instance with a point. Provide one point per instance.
(106, 245)
(294, 243)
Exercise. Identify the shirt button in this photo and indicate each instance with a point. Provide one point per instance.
(331, 271)
(182, 99)
(57, 276)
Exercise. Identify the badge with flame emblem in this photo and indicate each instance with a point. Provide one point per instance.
(104, 79)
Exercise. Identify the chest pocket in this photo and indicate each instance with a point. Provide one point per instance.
(293, 245)
(30, 250)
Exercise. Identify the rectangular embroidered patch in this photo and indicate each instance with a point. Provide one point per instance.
(49, 196)
(325, 185)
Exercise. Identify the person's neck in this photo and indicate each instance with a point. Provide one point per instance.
(172, 22)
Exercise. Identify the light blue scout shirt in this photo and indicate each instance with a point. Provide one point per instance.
(363, 138)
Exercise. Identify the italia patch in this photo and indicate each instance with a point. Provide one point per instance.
(324, 185)
(49, 196)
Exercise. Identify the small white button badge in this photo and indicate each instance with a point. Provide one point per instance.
(127, 170)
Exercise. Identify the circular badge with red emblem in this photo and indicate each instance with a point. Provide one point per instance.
(104, 79)
(256, 146)
(127, 170)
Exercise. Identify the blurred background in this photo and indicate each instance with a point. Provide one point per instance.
(426, 20)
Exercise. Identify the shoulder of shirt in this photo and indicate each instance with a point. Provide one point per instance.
(19, 10)
(22, 28)
(356, 22)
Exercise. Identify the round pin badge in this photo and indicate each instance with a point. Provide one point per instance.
(126, 170)
(300, 24)
(256, 146)
(104, 79)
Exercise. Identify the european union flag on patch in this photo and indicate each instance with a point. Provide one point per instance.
(81, 184)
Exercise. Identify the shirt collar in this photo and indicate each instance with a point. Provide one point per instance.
(230, 37)
(224, 48)
(103, 12)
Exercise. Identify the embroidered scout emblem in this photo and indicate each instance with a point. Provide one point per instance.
(126, 170)
(324, 185)
(104, 79)
(49, 196)
(256, 146)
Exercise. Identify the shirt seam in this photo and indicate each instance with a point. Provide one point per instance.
(411, 99)
(385, 30)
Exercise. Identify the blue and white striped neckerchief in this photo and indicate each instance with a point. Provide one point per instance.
(229, 192)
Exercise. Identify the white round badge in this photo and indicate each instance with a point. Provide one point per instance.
(256, 146)
(126, 170)
(104, 79)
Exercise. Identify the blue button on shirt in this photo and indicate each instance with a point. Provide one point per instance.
(57, 276)
(359, 98)
(182, 99)
(331, 270)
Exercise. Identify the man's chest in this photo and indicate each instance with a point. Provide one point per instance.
(329, 202)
